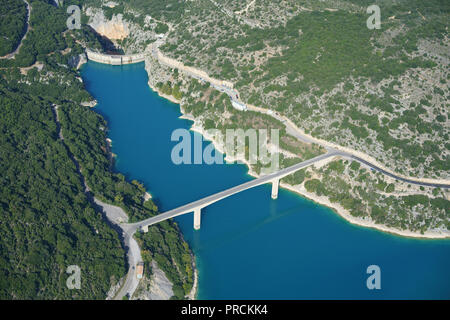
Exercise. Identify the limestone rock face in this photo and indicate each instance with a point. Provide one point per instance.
(162, 287)
(114, 29)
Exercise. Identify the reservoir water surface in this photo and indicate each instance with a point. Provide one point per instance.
(250, 246)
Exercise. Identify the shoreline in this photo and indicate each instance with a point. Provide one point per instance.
(163, 95)
(194, 291)
(336, 208)
(344, 214)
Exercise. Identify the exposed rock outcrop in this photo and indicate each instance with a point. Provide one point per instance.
(77, 61)
(158, 287)
(114, 29)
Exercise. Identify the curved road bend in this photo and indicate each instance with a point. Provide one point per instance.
(12, 54)
(436, 185)
(116, 216)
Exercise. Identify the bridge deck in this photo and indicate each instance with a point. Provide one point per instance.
(227, 193)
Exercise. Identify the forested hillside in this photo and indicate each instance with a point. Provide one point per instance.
(47, 220)
(47, 223)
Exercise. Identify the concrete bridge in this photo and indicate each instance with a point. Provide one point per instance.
(197, 206)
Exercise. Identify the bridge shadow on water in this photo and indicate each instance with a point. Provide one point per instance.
(243, 230)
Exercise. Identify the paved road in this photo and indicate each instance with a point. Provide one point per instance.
(134, 257)
(373, 166)
(381, 170)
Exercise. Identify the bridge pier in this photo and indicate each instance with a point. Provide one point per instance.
(197, 218)
(275, 185)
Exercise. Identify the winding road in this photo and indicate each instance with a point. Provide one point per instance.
(294, 131)
(114, 215)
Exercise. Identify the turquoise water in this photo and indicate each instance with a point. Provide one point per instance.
(250, 246)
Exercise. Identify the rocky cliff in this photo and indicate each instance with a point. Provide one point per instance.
(114, 29)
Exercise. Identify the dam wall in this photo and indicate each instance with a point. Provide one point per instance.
(114, 59)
